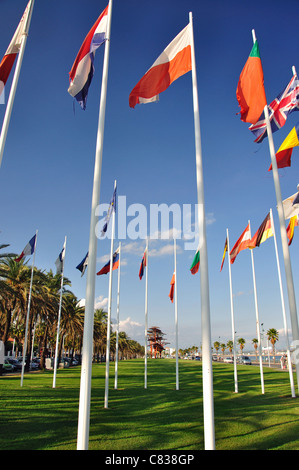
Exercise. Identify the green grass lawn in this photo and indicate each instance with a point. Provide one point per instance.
(38, 417)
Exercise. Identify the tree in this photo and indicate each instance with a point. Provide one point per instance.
(230, 346)
(216, 346)
(223, 347)
(273, 336)
(241, 342)
(255, 342)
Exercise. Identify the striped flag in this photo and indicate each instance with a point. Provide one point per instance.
(174, 62)
(28, 250)
(83, 69)
(263, 233)
(143, 264)
(60, 260)
(112, 207)
(241, 244)
(196, 262)
(224, 253)
(284, 153)
(172, 283)
(290, 228)
(83, 265)
(115, 263)
(13, 48)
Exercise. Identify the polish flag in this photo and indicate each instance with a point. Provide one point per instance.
(13, 49)
(241, 244)
(174, 62)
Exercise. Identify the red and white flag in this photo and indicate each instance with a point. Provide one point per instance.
(13, 48)
(241, 244)
(174, 62)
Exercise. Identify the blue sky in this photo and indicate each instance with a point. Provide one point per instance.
(47, 169)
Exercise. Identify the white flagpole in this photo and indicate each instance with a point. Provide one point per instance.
(257, 318)
(284, 238)
(232, 314)
(207, 371)
(14, 85)
(146, 315)
(58, 320)
(28, 313)
(86, 366)
(176, 318)
(109, 311)
(283, 310)
(117, 320)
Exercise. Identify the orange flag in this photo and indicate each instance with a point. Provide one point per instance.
(250, 90)
(172, 287)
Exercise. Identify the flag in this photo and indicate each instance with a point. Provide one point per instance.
(112, 206)
(263, 233)
(83, 69)
(115, 263)
(241, 244)
(290, 228)
(291, 206)
(28, 250)
(285, 103)
(284, 153)
(224, 253)
(13, 48)
(172, 283)
(143, 264)
(196, 262)
(250, 90)
(174, 62)
(83, 265)
(60, 260)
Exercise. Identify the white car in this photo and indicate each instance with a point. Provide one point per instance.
(229, 360)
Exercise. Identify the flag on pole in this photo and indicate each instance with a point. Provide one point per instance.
(172, 283)
(291, 206)
(60, 260)
(112, 207)
(284, 153)
(224, 253)
(250, 90)
(13, 48)
(83, 265)
(196, 262)
(285, 103)
(290, 228)
(241, 244)
(143, 264)
(83, 69)
(28, 250)
(106, 269)
(174, 62)
(263, 233)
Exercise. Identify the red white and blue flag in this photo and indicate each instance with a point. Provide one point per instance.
(115, 263)
(83, 69)
(142, 265)
(28, 250)
(285, 103)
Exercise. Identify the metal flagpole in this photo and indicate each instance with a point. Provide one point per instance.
(283, 310)
(117, 320)
(208, 401)
(146, 315)
(109, 311)
(232, 314)
(14, 85)
(176, 318)
(257, 317)
(28, 313)
(86, 366)
(284, 238)
(59, 318)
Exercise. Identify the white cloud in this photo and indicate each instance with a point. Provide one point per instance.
(100, 302)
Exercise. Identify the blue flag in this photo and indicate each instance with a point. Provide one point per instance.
(112, 207)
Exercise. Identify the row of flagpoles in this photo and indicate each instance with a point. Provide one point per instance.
(252, 100)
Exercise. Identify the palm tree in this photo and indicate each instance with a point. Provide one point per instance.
(223, 347)
(273, 336)
(241, 342)
(217, 346)
(255, 342)
(230, 346)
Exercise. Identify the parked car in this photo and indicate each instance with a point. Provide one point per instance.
(229, 360)
(16, 363)
(245, 360)
(7, 366)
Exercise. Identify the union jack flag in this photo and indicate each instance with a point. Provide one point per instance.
(285, 103)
